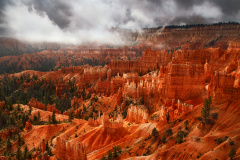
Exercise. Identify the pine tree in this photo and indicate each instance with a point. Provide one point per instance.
(84, 109)
(167, 117)
(115, 152)
(46, 146)
(206, 110)
(25, 153)
(231, 143)
(142, 100)
(30, 110)
(18, 107)
(24, 120)
(163, 139)
(35, 119)
(180, 136)
(169, 132)
(109, 155)
(18, 154)
(104, 158)
(38, 117)
(48, 149)
(70, 116)
(19, 142)
(210, 100)
(9, 145)
(232, 152)
(155, 132)
(186, 124)
(53, 119)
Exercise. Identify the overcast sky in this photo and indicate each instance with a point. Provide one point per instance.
(76, 21)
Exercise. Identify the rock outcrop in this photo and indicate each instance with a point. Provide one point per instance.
(43, 155)
(75, 102)
(118, 123)
(28, 125)
(52, 108)
(137, 114)
(2, 103)
(34, 103)
(4, 134)
(222, 89)
(65, 151)
(151, 60)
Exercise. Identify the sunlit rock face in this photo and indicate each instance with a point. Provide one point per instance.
(151, 60)
(65, 151)
(137, 114)
(144, 83)
(34, 103)
(224, 87)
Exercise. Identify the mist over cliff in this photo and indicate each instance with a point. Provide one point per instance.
(93, 20)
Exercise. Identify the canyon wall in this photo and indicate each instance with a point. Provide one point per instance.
(150, 60)
(222, 88)
(65, 151)
(137, 114)
(198, 36)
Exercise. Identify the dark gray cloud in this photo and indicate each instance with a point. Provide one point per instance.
(194, 19)
(229, 7)
(90, 20)
(57, 10)
(187, 4)
(3, 29)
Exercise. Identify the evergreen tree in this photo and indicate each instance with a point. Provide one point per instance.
(18, 107)
(115, 152)
(30, 110)
(231, 143)
(169, 132)
(9, 145)
(70, 116)
(210, 100)
(142, 101)
(109, 155)
(163, 139)
(84, 109)
(180, 136)
(125, 113)
(155, 132)
(48, 149)
(53, 119)
(140, 73)
(46, 146)
(18, 153)
(206, 110)
(104, 158)
(25, 153)
(186, 124)
(232, 152)
(24, 120)
(35, 119)
(19, 142)
(167, 117)
(38, 117)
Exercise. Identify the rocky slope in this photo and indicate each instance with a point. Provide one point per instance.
(124, 110)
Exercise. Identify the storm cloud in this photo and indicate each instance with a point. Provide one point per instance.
(75, 21)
